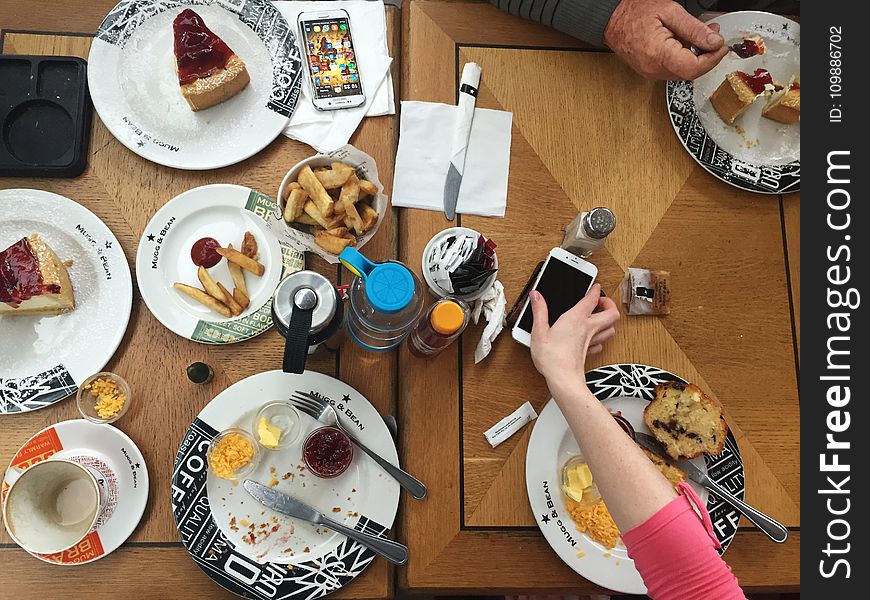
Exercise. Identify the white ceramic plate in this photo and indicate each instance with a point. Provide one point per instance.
(56, 353)
(113, 455)
(223, 212)
(205, 506)
(755, 153)
(134, 86)
(624, 388)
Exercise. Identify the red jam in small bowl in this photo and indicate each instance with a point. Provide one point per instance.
(327, 452)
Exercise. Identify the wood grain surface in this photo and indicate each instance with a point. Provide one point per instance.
(588, 132)
(125, 190)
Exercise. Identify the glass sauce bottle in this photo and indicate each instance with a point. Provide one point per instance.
(443, 322)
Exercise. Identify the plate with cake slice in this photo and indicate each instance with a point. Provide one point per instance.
(197, 84)
(562, 489)
(741, 121)
(65, 297)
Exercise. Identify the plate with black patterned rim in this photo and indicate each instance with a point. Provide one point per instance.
(258, 553)
(626, 388)
(55, 353)
(755, 153)
(134, 86)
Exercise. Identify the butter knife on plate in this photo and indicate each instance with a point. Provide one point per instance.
(286, 505)
(773, 529)
(464, 117)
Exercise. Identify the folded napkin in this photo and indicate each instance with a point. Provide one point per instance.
(425, 138)
(492, 305)
(327, 130)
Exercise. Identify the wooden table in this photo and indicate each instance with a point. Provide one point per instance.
(588, 132)
(125, 191)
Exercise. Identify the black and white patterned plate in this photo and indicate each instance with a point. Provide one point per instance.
(133, 82)
(755, 154)
(624, 387)
(295, 560)
(45, 358)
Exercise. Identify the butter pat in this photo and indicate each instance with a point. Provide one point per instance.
(579, 478)
(268, 434)
(512, 423)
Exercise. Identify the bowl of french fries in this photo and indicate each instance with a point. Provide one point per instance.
(330, 202)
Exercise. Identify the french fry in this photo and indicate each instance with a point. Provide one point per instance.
(335, 221)
(339, 232)
(249, 245)
(309, 182)
(330, 243)
(247, 263)
(235, 307)
(334, 178)
(305, 219)
(203, 298)
(241, 297)
(367, 188)
(353, 217)
(349, 193)
(293, 185)
(210, 285)
(237, 275)
(294, 204)
(312, 211)
(368, 214)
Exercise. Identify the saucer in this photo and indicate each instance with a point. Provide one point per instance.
(116, 458)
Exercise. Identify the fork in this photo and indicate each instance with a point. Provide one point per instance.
(324, 412)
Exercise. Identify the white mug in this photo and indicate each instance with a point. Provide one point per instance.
(52, 505)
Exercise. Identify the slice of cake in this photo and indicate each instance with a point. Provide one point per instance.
(785, 105)
(739, 91)
(672, 473)
(749, 47)
(685, 420)
(33, 281)
(209, 72)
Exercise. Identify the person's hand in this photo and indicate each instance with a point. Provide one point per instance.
(652, 37)
(559, 352)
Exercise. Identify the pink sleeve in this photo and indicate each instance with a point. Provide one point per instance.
(675, 553)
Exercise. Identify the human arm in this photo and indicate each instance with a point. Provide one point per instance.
(651, 36)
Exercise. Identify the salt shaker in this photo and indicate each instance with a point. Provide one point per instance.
(586, 233)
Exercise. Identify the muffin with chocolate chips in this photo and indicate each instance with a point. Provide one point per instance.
(685, 420)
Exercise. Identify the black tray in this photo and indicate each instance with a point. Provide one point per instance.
(45, 115)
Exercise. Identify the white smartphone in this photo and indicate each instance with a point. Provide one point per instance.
(563, 281)
(330, 59)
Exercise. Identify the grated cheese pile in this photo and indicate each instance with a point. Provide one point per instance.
(231, 453)
(595, 521)
(110, 400)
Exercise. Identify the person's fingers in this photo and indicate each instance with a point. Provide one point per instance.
(607, 315)
(540, 315)
(588, 303)
(714, 27)
(602, 336)
(689, 29)
(594, 349)
(682, 63)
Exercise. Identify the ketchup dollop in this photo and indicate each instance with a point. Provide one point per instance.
(204, 252)
(327, 452)
(756, 81)
(198, 51)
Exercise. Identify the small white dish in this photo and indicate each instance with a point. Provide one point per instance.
(438, 239)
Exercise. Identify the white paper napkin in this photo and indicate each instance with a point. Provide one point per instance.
(329, 130)
(425, 137)
(492, 305)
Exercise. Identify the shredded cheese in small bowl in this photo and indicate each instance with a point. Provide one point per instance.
(232, 454)
(103, 398)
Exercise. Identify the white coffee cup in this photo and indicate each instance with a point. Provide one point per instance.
(51, 506)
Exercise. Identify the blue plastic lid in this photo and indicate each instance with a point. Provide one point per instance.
(390, 287)
(356, 263)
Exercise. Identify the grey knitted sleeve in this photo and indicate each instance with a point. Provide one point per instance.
(582, 19)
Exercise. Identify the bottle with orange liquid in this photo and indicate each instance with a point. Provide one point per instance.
(440, 325)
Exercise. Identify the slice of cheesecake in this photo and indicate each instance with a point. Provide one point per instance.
(739, 91)
(33, 281)
(209, 72)
(785, 105)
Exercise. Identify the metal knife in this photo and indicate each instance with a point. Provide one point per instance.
(284, 504)
(773, 529)
(464, 116)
